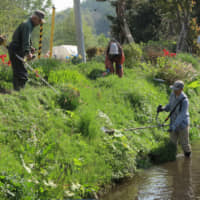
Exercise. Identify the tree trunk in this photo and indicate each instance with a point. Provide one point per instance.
(181, 44)
(185, 25)
(120, 11)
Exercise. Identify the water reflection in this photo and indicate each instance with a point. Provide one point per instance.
(179, 180)
(180, 173)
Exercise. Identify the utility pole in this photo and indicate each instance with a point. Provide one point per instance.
(79, 30)
(52, 31)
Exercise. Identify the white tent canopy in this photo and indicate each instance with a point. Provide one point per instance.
(63, 51)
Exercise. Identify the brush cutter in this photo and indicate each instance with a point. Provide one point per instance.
(158, 125)
(31, 69)
(3, 42)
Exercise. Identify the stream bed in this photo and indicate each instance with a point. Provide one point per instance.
(177, 180)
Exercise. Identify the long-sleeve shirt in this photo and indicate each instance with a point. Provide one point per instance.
(21, 40)
(180, 117)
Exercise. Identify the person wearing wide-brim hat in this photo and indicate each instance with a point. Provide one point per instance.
(22, 46)
(179, 119)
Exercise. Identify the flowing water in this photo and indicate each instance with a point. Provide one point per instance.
(178, 180)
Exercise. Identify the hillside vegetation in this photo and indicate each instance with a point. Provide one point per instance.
(52, 146)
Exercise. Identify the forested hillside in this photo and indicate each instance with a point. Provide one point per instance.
(98, 12)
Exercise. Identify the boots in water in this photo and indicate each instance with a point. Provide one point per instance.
(187, 154)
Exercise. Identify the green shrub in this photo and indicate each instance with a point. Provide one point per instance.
(95, 51)
(76, 60)
(133, 55)
(69, 98)
(95, 73)
(11, 187)
(154, 49)
(172, 70)
(99, 58)
(152, 54)
(189, 58)
(5, 79)
(87, 68)
(66, 76)
(165, 151)
(89, 125)
(160, 45)
(34, 78)
(66, 151)
(48, 65)
(5, 73)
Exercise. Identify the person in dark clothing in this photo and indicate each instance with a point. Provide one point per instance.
(21, 45)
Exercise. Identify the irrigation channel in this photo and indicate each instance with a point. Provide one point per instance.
(178, 180)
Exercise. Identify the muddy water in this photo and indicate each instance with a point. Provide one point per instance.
(178, 180)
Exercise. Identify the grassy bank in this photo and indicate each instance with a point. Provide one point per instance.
(52, 145)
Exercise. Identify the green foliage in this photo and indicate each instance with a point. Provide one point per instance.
(76, 60)
(5, 78)
(102, 40)
(95, 51)
(121, 149)
(100, 59)
(65, 32)
(96, 73)
(69, 97)
(5, 73)
(154, 49)
(143, 20)
(172, 70)
(160, 45)
(165, 152)
(47, 65)
(88, 125)
(13, 12)
(96, 14)
(190, 59)
(66, 76)
(11, 187)
(54, 146)
(133, 55)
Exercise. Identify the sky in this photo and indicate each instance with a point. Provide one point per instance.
(63, 4)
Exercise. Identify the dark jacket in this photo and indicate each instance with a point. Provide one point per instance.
(21, 40)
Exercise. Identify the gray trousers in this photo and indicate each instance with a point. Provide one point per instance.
(183, 136)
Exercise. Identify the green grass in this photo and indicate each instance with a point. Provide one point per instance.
(52, 145)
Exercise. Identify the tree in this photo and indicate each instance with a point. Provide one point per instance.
(65, 32)
(177, 13)
(144, 21)
(13, 12)
(96, 15)
(10, 15)
(120, 27)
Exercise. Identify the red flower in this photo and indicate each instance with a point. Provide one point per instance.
(167, 53)
(173, 54)
(2, 58)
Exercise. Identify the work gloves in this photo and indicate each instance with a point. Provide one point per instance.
(160, 108)
(169, 130)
